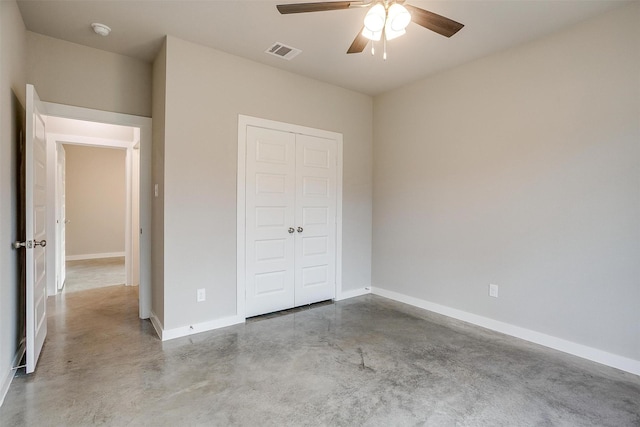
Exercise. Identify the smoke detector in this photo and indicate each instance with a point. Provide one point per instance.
(100, 29)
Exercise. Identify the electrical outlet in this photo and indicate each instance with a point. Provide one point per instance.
(493, 291)
(201, 295)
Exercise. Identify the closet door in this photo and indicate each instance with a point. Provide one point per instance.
(315, 246)
(270, 220)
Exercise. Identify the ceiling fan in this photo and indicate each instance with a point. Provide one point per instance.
(386, 19)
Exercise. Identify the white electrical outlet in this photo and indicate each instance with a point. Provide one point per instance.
(201, 295)
(493, 290)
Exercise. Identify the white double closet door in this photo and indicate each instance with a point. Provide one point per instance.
(290, 220)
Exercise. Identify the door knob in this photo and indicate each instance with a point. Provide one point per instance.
(291, 230)
(300, 229)
(29, 244)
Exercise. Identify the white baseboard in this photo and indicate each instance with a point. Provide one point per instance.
(353, 293)
(583, 351)
(8, 377)
(183, 331)
(157, 324)
(94, 256)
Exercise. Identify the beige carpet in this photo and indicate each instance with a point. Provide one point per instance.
(94, 273)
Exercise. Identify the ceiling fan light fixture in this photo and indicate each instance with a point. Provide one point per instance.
(398, 18)
(385, 19)
(375, 18)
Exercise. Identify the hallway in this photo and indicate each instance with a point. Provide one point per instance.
(94, 273)
(362, 361)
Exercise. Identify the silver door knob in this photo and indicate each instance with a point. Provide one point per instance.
(42, 243)
(300, 229)
(18, 245)
(291, 230)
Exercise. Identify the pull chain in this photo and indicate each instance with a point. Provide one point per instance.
(384, 44)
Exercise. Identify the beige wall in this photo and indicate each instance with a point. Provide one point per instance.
(157, 172)
(520, 169)
(12, 101)
(96, 200)
(205, 91)
(71, 74)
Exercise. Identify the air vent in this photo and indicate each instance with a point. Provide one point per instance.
(283, 51)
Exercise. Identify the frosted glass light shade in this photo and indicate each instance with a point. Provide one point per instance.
(390, 34)
(375, 19)
(372, 35)
(398, 18)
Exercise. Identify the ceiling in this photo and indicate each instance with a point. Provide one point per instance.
(247, 28)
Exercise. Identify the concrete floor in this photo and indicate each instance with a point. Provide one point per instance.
(94, 273)
(364, 361)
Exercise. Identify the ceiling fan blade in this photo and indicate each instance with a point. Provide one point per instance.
(434, 22)
(359, 43)
(313, 7)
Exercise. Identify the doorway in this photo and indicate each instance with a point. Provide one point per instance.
(72, 127)
(91, 193)
(92, 198)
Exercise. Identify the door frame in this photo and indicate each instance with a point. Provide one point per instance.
(54, 140)
(59, 188)
(243, 122)
(144, 193)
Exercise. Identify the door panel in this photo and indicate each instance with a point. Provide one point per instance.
(270, 212)
(315, 246)
(316, 216)
(315, 186)
(36, 198)
(271, 282)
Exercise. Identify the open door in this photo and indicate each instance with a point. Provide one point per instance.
(35, 224)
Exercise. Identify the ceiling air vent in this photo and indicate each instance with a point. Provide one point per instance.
(283, 51)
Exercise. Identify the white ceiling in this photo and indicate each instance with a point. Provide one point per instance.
(248, 27)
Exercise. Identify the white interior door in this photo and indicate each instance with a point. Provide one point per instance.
(270, 220)
(315, 260)
(36, 199)
(291, 208)
(62, 216)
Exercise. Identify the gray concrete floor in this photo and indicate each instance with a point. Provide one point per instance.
(94, 273)
(364, 361)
